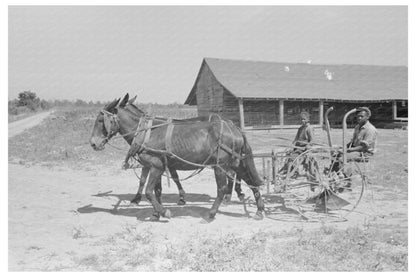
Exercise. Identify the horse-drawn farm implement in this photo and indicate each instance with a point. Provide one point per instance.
(319, 184)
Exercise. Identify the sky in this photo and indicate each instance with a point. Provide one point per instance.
(155, 52)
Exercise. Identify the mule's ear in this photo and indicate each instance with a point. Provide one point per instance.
(124, 101)
(111, 107)
(131, 101)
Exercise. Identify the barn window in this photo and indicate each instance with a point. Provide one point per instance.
(402, 109)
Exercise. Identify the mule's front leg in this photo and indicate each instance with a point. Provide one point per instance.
(143, 177)
(158, 191)
(154, 178)
(221, 179)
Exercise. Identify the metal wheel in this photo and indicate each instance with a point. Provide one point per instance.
(321, 188)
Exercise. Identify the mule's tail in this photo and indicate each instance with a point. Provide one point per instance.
(247, 166)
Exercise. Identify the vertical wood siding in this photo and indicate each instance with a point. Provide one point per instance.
(292, 110)
(261, 112)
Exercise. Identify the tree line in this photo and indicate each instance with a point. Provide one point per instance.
(29, 102)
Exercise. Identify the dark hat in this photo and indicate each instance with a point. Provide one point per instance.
(364, 109)
(305, 115)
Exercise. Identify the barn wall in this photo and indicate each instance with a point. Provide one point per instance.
(292, 110)
(230, 109)
(402, 109)
(381, 112)
(209, 93)
(261, 112)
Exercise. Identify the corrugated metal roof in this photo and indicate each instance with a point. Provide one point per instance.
(253, 79)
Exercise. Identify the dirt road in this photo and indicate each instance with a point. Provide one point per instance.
(23, 124)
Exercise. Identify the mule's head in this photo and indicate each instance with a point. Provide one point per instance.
(105, 126)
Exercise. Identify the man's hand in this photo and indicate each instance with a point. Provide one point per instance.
(355, 149)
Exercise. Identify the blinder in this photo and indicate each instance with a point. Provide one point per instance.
(110, 123)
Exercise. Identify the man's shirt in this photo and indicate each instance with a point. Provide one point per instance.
(304, 135)
(365, 136)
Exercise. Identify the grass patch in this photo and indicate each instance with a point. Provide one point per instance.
(63, 139)
(354, 249)
(371, 248)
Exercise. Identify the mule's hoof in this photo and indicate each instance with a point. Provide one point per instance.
(135, 201)
(227, 198)
(258, 216)
(242, 197)
(181, 202)
(167, 214)
(207, 220)
(154, 218)
(125, 166)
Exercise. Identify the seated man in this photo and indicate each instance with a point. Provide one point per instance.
(302, 142)
(305, 134)
(363, 142)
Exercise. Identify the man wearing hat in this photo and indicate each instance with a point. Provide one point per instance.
(302, 142)
(363, 142)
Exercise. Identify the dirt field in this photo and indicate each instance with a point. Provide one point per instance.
(70, 219)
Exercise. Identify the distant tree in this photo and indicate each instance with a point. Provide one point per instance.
(12, 105)
(28, 99)
(80, 103)
(45, 105)
(61, 103)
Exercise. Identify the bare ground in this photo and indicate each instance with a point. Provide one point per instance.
(65, 218)
(57, 216)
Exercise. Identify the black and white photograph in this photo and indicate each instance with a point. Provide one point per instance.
(207, 138)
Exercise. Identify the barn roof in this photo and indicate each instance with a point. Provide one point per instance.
(254, 79)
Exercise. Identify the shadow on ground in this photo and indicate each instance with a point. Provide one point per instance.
(199, 209)
(198, 206)
(167, 198)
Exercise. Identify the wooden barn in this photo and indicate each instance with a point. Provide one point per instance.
(263, 95)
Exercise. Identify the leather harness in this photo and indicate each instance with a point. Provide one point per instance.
(146, 125)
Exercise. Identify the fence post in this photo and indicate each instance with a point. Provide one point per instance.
(268, 176)
(264, 168)
(273, 168)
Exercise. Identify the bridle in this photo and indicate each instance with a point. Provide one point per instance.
(110, 120)
(112, 126)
